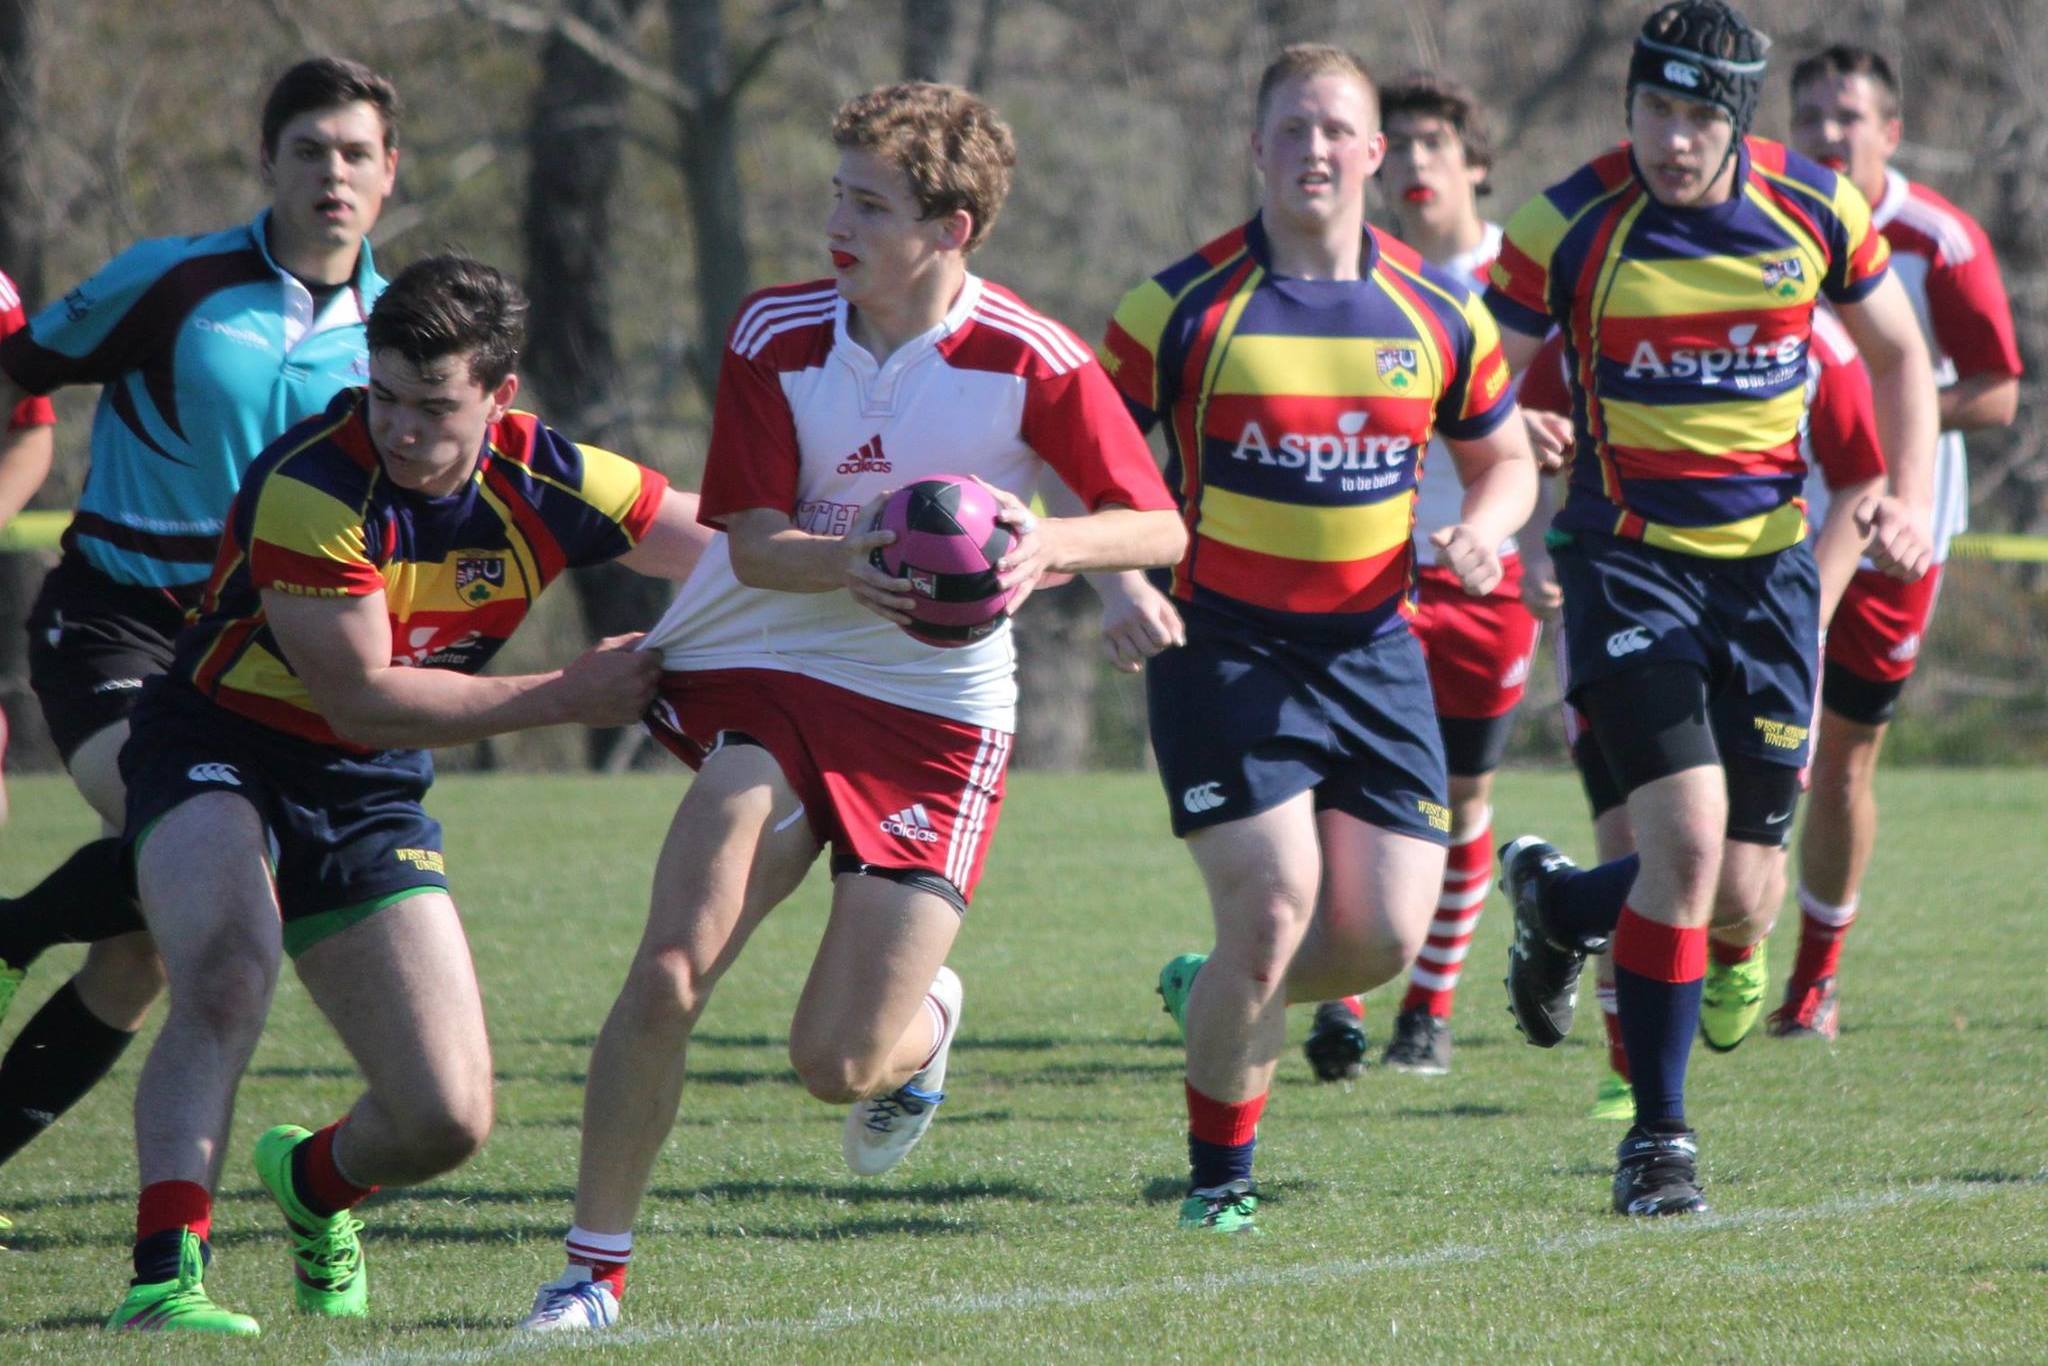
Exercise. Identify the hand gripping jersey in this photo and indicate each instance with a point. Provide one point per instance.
(206, 350)
(807, 424)
(318, 517)
(30, 412)
(1439, 496)
(1945, 262)
(1297, 412)
(1686, 331)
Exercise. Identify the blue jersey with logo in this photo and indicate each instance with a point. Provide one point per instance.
(207, 351)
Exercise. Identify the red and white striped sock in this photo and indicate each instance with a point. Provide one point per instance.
(1468, 869)
(1822, 928)
(606, 1254)
(1610, 1016)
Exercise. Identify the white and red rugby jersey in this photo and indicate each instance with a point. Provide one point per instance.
(1945, 262)
(1439, 496)
(808, 424)
(1838, 435)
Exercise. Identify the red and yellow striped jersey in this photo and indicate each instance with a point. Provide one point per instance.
(318, 517)
(1686, 333)
(1297, 414)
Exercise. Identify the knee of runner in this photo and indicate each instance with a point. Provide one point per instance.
(448, 1130)
(666, 983)
(1691, 857)
(828, 1073)
(230, 982)
(1266, 922)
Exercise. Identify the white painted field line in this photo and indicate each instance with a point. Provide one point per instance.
(1068, 1297)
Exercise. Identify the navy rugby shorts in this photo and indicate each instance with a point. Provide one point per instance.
(347, 832)
(1243, 719)
(1752, 626)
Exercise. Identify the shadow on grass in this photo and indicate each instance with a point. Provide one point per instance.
(321, 1072)
(1986, 1177)
(60, 1322)
(1461, 1110)
(853, 1228)
(1171, 1190)
(928, 1193)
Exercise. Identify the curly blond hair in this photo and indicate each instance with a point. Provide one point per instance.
(952, 148)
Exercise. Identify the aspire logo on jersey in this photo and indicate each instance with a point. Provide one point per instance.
(1348, 450)
(1756, 365)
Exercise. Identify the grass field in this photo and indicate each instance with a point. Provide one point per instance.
(1883, 1200)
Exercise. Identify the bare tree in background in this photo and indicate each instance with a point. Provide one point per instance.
(928, 27)
(574, 142)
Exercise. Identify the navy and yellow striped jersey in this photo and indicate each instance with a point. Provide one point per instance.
(1686, 333)
(1297, 414)
(318, 517)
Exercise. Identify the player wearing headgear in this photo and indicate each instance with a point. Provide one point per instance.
(1845, 115)
(376, 558)
(1684, 269)
(811, 719)
(1299, 365)
(1439, 153)
(206, 348)
(1838, 442)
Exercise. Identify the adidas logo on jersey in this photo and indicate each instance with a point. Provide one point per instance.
(869, 459)
(1905, 649)
(911, 823)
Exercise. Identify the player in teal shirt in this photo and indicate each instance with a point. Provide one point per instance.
(206, 349)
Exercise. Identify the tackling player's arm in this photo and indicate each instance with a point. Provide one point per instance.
(1838, 545)
(673, 542)
(340, 647)
(1887, 332)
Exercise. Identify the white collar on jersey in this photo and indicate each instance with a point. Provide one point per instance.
(1466, 264)
(858, 356)
(1896, 189)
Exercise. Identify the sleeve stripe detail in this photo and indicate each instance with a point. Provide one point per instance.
(776, 328)
(9, 299)
(1043, 336)
(1949, 236)
(768, 315)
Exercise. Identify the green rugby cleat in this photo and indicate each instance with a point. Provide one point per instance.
(331, 1279)
(1221, 1209)
(1732, 1000)
(180, 1305)
(1176, 980)
(10, 982)
(1615, 1099)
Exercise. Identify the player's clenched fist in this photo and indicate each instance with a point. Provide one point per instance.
(1139, 621)
(1476, 562)
(888, 598)
(612, 683)
(1550, 438)
(1897, 544)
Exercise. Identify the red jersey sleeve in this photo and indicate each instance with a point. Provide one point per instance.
(1972, 317)
(1078, 424)
(1842, 424)
(32, 411)
(753, 459)
(1545, 387)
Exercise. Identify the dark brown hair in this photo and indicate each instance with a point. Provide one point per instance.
(1428, 94)
(1847, 59)
(452, 305)
(325, 83)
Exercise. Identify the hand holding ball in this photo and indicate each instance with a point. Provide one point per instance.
(948, 543)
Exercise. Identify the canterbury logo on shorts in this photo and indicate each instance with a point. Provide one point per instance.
(1628, 642)
(213, 773)
(1202, 797)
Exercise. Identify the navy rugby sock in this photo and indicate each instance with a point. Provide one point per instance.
(1587, 903)
(60, 1054)
(88, 897)
(1658, 974)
